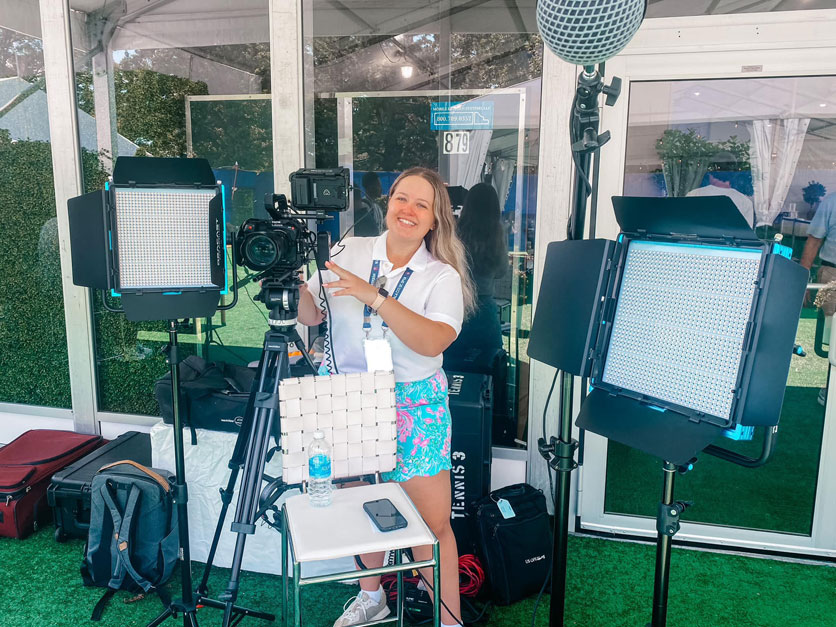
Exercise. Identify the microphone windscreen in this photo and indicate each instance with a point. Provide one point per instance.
(587, 32)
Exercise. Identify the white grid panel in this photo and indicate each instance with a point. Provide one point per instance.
(680, 323)
(357, 414)
(163, 238)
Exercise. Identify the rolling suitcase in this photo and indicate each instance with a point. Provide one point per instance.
(69, 492)
(26, 466)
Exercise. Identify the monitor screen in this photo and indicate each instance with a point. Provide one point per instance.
(680, 323)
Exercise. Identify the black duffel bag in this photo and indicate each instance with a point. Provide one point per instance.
(213, 395)
(515, 546)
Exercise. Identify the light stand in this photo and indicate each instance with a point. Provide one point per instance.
(669, 512)
(560, 452)
(156, 237)
(189, 602)
(687, 282)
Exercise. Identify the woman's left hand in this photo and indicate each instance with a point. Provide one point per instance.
(351, 284)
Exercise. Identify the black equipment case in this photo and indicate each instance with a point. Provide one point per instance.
(69, 492)
(213, 395)
(515, 546)
(471, 411)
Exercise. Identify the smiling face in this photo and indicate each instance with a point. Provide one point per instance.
(410, 216)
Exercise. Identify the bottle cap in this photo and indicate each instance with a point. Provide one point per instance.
(318, 435)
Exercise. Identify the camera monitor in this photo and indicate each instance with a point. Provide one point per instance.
(156, 237)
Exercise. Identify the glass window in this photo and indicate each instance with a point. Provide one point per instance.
(33, 337)
(376, 80)
(195, 90)
(673, 8)
(769, 145)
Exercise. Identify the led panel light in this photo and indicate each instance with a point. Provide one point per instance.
(680, 323)
(162, 238)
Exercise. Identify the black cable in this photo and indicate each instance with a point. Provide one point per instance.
(426, 583)
(327, 343)
(252, 300)
(479, 616)
(220, 343)
(575, 136)
(545, 410)
(551, 491)
(347, 231)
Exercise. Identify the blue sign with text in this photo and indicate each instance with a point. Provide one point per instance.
(461, 116)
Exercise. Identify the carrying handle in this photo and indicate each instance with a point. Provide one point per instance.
(156, 477)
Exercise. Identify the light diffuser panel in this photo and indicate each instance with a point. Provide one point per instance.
(162, 238)
(680, 323)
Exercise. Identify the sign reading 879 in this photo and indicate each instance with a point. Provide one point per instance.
(455, 142)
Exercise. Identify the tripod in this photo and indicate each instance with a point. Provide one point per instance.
(261, 420)
(188, 603)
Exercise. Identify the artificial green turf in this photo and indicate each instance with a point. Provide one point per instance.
(609, 584)
(778, 496)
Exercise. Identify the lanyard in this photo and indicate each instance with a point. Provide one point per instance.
(367, 311)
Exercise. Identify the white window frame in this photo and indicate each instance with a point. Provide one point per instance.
(785, 44)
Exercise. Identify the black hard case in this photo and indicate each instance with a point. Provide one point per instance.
(471, 411)
(69, 492)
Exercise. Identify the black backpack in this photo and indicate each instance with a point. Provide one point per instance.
(132, 543)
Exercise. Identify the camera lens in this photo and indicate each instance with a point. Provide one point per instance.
(260, 251)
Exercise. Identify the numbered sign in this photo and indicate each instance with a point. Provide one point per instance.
(455, 142)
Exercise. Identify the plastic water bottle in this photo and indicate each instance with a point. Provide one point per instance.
(319, 471)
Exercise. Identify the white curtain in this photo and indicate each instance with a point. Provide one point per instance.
(502, 172)
(776, 146)
(466, 170)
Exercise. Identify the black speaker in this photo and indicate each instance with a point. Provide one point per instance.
(471, 409)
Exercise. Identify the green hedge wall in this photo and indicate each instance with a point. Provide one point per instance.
(33, 341)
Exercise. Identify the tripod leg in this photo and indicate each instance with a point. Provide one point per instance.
(266, 404)
(235, 462)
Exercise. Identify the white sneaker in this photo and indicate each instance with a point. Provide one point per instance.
(362, 609)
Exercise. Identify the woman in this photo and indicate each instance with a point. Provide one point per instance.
(423, 265)
(480, 230)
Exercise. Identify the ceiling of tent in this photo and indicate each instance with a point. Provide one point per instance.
(157, 23)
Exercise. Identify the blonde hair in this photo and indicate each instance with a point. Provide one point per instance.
(442, 241)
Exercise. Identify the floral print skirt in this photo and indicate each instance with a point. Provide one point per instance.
(424, 428)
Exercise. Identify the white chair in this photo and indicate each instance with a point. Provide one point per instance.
(343, 529)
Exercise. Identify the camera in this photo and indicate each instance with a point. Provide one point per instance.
(283, 243)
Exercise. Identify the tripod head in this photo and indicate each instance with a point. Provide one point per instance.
(281, 297)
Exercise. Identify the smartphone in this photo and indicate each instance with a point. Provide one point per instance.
(384, 515)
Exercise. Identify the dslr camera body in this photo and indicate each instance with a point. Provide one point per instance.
(282, 244)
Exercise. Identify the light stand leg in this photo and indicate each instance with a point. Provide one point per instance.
(185, 605)
(564, 463)
(667, 524)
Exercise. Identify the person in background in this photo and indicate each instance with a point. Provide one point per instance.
(370, 217)
(720, 184)
(480, 230)
(429, 293)
(821, 242)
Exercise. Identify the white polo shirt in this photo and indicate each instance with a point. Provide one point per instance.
(434, 290)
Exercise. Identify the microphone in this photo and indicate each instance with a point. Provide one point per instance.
(588, 32)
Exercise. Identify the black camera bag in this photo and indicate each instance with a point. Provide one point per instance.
(516, 552)
(213, 395)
